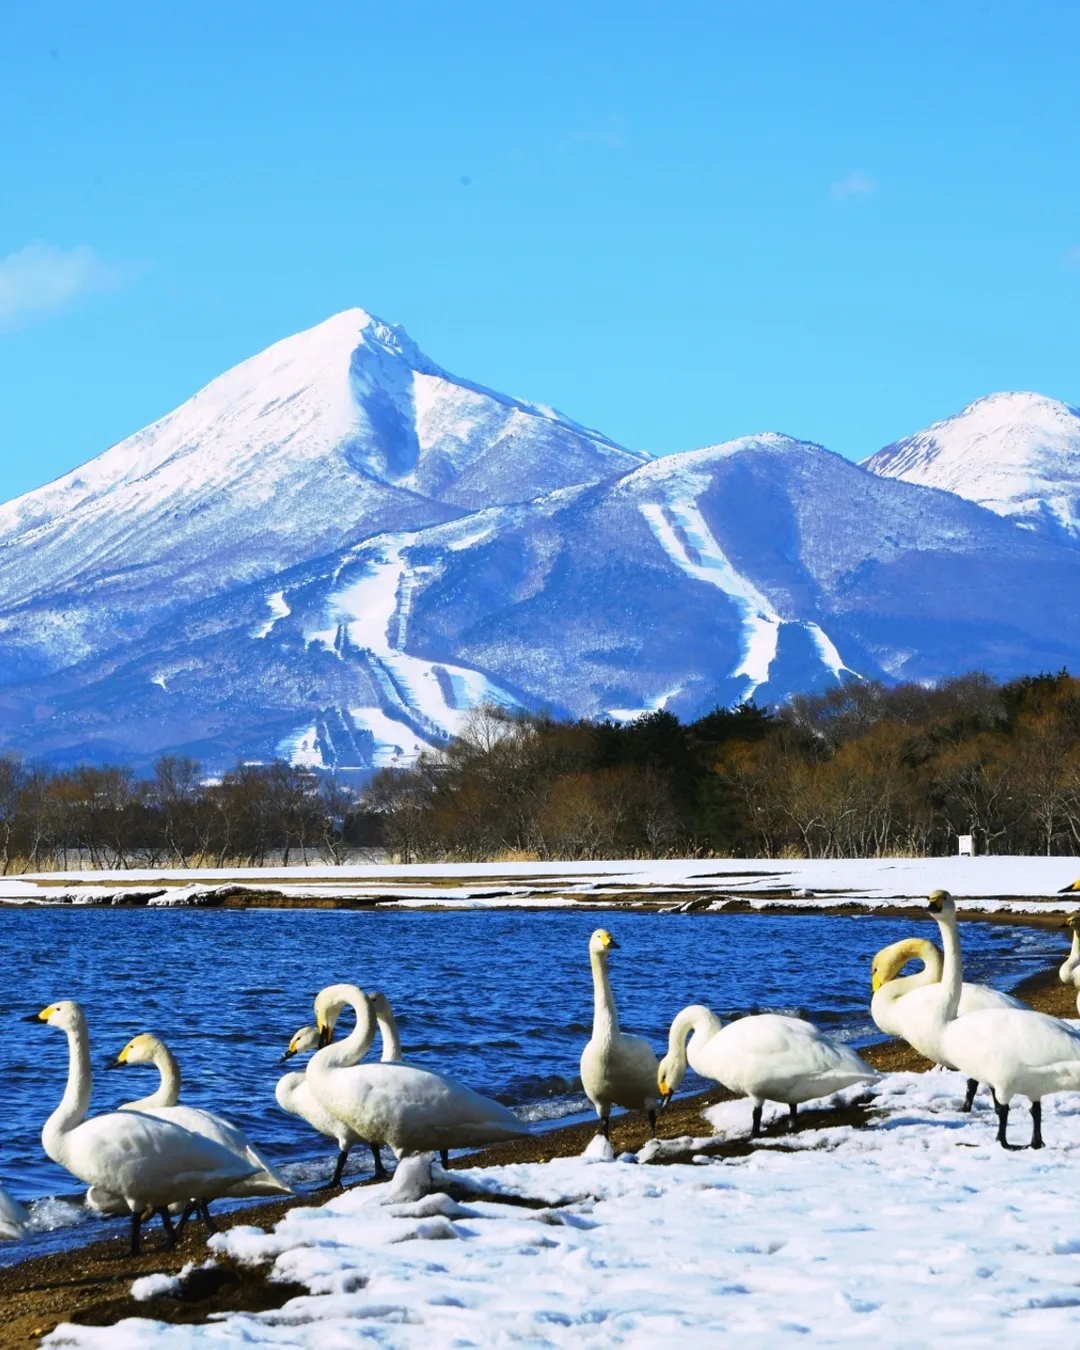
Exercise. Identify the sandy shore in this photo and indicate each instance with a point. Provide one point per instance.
(91, 1284)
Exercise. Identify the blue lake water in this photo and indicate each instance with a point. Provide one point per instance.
(499, 999)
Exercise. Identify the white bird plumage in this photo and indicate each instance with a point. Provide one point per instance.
(766, 1057)
(150, 1163)
(617, 1069)
(412, 1110)
(14, 1218)
(1015, 1050)
(904, 1005)
(294, 1094)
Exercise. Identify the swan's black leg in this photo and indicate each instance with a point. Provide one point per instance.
(376, 1158)
(190, 1210)
(1003, 1120)
(1036, 1125)
(342, 1156)
(444, 1157)
(652, 1122)
(972, 1088)
(755, 1121)
(136, 1224)
(605, 1126)
(793, 1117)
(167, 1224)
(207, 1218)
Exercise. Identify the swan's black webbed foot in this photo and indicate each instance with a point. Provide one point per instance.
(376, 1157)
(342, 1158)
(652, 1123)
(755, 1122)
(1036, 1125)
(972, 1088)
(793, 1117)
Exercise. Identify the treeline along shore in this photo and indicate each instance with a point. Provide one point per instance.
(861, 770)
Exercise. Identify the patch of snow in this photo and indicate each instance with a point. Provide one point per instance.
(279, 609)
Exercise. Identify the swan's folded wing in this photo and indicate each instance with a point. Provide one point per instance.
(13, 1217)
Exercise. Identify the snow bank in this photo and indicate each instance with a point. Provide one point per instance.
(917, 1229)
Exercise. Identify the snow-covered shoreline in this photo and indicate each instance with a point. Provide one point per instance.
(1019, 885)
(915, 1229)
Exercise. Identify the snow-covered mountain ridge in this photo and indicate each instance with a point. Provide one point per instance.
(1016, 454)
(335, 550)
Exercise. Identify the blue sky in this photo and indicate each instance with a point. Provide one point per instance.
(679, 224)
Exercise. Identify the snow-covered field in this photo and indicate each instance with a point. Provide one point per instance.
(985, 884)
(915, 1231)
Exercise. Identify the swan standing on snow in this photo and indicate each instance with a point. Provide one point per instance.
(902, 1005)
(163, 1103)
(1069, 972)
(616, 1069)
(412, 1110)
(150, 1163)
(1016, 1051)
(766, 1057)
(13, 1217)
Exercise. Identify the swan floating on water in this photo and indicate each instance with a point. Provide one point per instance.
(149, 1162)
(766, 1057)
(412, 1110)
(616, 1069)
(903, 1005)
(14, 1218)
(1016, 1050)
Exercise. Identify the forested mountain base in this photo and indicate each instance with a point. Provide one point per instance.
(863, 770)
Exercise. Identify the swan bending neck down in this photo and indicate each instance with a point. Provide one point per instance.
(616, 1069)
(1015, 1050)
(903, 1005)
(149, 1163)
(413, 1110)
(766, 1057)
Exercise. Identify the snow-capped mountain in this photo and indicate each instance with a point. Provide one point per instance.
(323, 439)
(761, 567)
(1017, 454)
(336, 550)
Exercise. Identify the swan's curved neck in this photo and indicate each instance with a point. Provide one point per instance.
(355, 1046)
(953, 977)
(605, 1017)
(391, 1040)
(921, 949)
(76, 1099)
(168, 1089)
(1073, 960)
(696, 1019)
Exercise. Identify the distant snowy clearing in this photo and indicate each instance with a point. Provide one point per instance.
(916, 1230)
(986, 884)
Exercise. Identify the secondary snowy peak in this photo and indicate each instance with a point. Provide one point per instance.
(1016, 454)
(325, 438)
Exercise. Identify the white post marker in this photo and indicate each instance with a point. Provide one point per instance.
(967, 846)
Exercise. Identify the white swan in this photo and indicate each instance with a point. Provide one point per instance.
(413, 1110)
(13, 1217)
(766, 1057)
(1069, 971)
(294, 1094)
(616, 1069)
(1016, 1051)
(388, 1028)
(899, 1004)
(150, 1163)
(163, 1103)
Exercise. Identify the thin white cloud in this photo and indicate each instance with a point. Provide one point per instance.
(41, 278)
(855, 185)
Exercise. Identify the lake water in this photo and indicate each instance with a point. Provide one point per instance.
(499, 999)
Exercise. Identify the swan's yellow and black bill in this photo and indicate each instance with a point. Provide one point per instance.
(1071, 920)
(1072, 886)
(875, 981)
(936, 902)
(117, 1063)
(43, 1015)
(326, 1034)
(607, 941)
